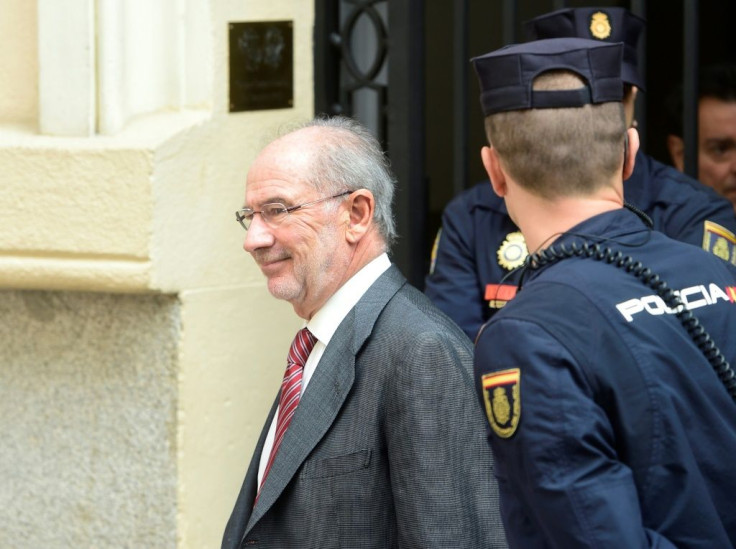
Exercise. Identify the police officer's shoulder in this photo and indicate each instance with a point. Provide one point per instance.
(479, 197)
(679, 187)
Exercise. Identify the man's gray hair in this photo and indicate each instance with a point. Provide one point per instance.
(349, 157)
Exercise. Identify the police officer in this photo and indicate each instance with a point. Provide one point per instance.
(479, 248)
(612, 415)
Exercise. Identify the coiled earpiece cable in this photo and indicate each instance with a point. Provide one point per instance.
(672, 300)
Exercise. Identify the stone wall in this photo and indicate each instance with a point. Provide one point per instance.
(88, 407)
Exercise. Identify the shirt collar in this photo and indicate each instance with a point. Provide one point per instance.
(324, 323)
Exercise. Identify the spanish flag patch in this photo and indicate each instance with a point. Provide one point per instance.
(502, 397)
(719, 241)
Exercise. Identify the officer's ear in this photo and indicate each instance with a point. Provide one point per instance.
(492, 164)
(631, 146)
(676, 147)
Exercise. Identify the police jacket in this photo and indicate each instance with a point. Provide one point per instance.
(479, 246)
(609, 426)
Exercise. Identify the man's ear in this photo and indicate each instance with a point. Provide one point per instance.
(360, 214)
(676, 147)
(630, 150)
(629, 102)
(492, 164)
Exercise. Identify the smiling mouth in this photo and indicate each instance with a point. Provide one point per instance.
(269, 263)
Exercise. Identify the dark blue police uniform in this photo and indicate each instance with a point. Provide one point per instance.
(478, 246)
(609, 426)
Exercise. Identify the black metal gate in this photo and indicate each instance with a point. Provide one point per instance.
(357, 55)
(401, 67)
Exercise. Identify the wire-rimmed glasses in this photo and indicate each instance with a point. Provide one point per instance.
(274, 213)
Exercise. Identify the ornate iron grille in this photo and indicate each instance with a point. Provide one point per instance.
(360, 72)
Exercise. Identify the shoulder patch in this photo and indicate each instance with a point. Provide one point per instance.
(502, 398)
(719, 241)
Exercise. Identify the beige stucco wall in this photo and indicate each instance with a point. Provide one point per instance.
(18, 61)
(130, 238)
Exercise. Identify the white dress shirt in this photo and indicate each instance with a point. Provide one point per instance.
(323, 325)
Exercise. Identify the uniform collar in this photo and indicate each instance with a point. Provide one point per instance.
(618, 229)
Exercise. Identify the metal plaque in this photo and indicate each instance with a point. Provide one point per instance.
(261, 65)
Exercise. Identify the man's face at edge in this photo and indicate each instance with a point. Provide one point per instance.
(717, 146)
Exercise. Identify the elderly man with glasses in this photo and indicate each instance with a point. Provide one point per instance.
(375, 439)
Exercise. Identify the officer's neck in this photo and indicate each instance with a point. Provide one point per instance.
(542, 220)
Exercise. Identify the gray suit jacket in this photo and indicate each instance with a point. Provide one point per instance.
(387, 447)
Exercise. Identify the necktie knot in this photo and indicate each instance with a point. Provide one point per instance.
(301, 347)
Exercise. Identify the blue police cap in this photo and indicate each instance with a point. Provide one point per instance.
(506, 75)
(605, 24)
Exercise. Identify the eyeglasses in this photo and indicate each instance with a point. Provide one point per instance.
(275, 212)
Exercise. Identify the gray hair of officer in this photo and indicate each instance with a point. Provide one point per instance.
(554, 114)
(348, 156)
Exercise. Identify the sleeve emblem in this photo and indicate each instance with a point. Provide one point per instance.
(502, 398)
(719, 241)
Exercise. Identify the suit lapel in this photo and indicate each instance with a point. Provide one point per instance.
(327, 390)
(250, 486)
(239, 518)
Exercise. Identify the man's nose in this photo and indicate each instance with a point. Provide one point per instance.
(259, 235)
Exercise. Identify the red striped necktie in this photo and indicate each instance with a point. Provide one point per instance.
(291, 389)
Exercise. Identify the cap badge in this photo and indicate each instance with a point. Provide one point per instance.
(502, 399)
(600, 26)
(512, 252)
